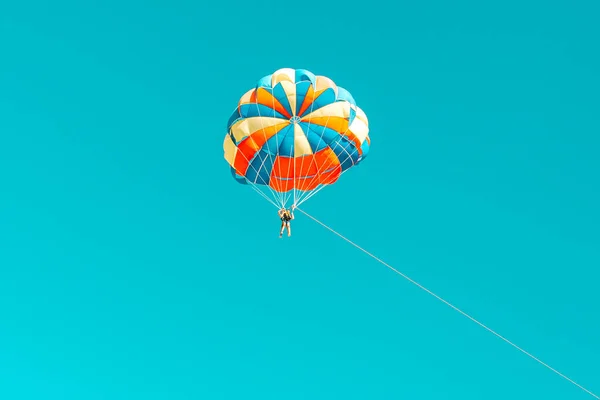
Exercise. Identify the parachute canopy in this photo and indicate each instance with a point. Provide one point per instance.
(293, 134)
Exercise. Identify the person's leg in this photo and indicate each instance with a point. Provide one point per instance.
(289, 229)
(281, 230)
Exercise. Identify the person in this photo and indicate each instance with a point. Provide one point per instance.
(286, 216)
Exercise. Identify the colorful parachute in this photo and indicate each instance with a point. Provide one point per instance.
(295, 133)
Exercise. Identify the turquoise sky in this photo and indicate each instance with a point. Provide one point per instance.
(134, 267)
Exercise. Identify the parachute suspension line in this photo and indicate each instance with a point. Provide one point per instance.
(294, 164)
(451, 306)
(306, 133)
(260, 168)
(309, 194)
(306, 193)
(349, 155)
(257, 190)
(294, 172)
(277, 196)
(308, 181)
(279, 188)
(314, 192)
(317, 190)
(296, 190)
(290, 193)
(254, 186)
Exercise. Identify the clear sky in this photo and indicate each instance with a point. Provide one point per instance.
(134, 267)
